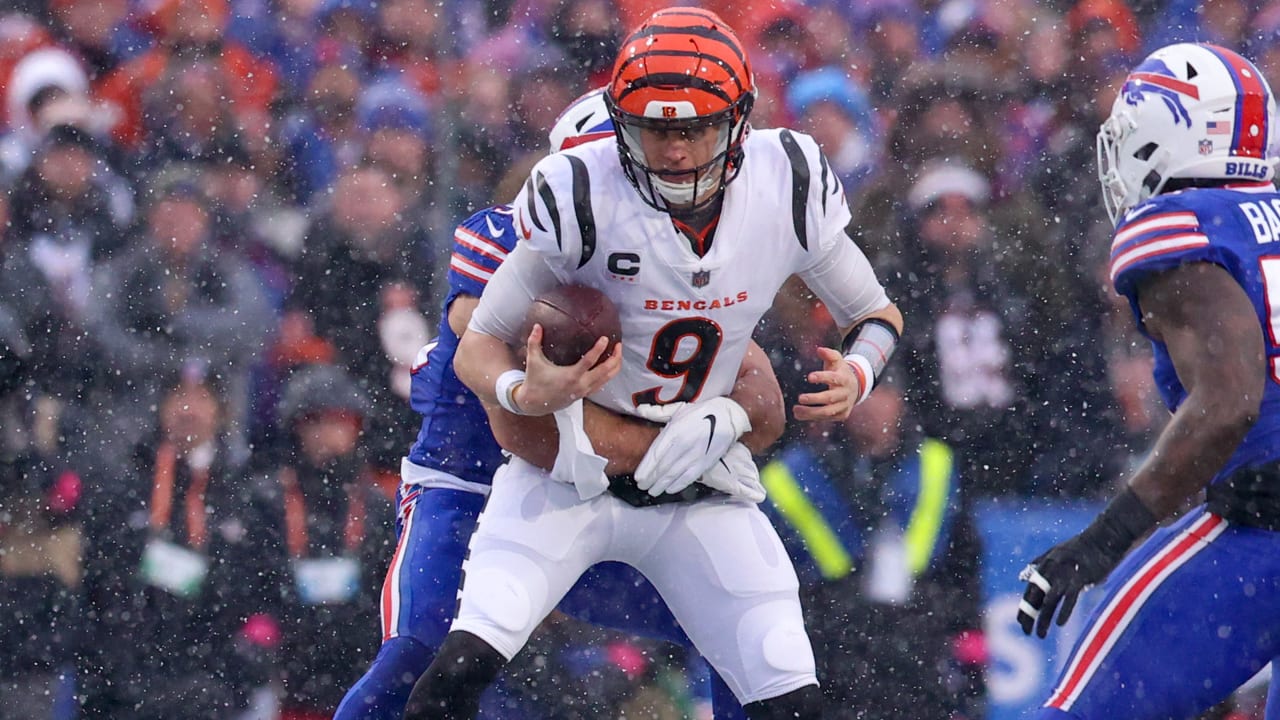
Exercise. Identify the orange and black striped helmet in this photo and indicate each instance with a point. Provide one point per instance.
(682, 63)
(682, 68)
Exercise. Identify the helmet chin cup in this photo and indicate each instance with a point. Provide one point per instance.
(687, 194)
(709, 178)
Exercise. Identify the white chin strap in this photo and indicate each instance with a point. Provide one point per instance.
(684, 193)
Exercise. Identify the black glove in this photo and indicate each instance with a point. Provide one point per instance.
(1060, 574)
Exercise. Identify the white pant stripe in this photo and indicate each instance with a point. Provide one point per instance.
(391, 588)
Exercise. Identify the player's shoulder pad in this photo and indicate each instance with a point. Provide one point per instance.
(554, 212)
(816, 194)
(493, 226)
(480, 244)
(1156, 205)
(1163, 231)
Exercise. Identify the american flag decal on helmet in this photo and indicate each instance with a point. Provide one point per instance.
(1250, 132)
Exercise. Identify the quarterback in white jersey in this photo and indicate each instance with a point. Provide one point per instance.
(690, 224)
(686, 319)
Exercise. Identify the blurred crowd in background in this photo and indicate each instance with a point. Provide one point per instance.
(226, 228)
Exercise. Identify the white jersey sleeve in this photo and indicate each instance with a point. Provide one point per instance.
(818, 207)
(844, 279)
(554, 213)
(836, 270)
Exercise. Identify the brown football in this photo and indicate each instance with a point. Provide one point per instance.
(573, 317)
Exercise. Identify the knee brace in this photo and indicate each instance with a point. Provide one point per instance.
(802, 704)
(450, 688)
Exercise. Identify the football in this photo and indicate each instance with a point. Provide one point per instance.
(573, 317)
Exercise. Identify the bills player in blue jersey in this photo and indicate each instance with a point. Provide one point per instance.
(1194, 611)
(447, 474)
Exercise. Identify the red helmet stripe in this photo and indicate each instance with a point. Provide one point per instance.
(573, 142)
(1250, 136)
(1168, 83)
(678, 80)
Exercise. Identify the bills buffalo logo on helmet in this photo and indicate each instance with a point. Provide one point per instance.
(1153, 77)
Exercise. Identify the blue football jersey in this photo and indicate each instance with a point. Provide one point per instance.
(455, 438)
(1237, 228)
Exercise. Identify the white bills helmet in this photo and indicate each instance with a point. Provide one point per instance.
(1188, 111)
(584, 120)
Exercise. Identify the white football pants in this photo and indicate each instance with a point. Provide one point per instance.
(717, 562)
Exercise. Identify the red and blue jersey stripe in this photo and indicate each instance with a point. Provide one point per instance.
(1150, 235)
(1207, 225)
(1147, 591)
(480, 244)
(455, 438)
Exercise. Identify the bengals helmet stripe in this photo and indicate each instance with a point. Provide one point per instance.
(708, 33)
(667, 80)
(681, 55)
(651, 58)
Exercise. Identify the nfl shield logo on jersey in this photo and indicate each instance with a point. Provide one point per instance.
(1206, 147)
(701, 278)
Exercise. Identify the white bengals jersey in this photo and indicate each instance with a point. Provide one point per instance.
(686, 320)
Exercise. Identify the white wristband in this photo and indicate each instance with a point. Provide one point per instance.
(862, 368)
(505, 389)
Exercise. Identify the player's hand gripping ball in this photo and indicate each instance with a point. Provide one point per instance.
(573, 318)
